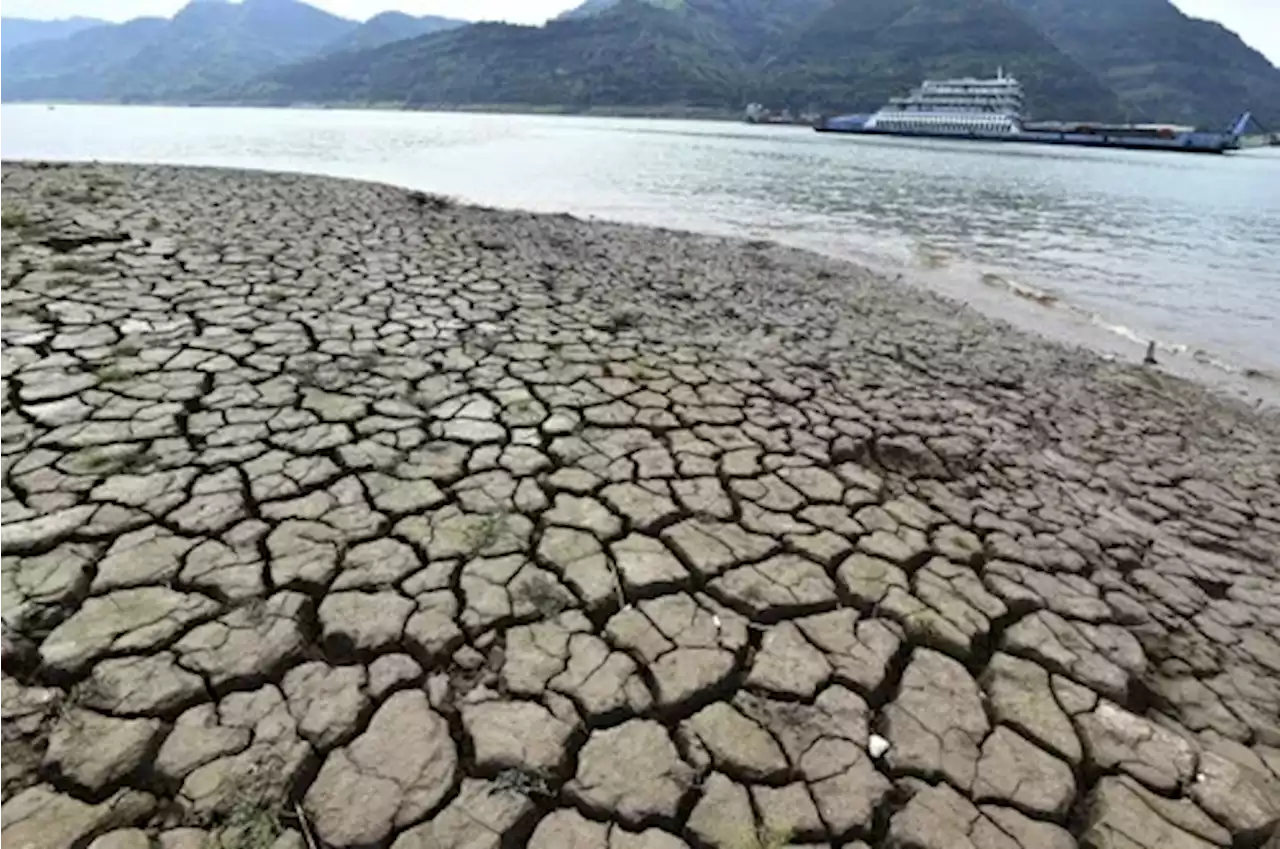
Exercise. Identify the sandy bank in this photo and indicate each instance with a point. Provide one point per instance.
(466, 528)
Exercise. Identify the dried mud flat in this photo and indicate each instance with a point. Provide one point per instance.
(339, 515)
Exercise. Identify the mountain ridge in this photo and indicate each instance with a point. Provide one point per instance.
(1079, 59)
(785, 52)
(19, 31)
(1168, 65)
(205, 47)
(386, 27)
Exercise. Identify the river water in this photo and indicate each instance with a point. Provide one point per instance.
(1105, 248)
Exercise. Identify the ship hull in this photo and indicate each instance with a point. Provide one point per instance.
(1207, 143)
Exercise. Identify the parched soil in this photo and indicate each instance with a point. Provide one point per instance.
(336, 515)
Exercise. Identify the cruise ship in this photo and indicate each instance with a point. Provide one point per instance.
(992, 110)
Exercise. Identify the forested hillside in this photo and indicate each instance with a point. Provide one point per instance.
(1092, 59)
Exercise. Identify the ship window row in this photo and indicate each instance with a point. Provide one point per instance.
(969, 105)
(968, 89)
(936, 124)
(971, 92)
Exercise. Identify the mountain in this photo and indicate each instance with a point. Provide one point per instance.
(750, 25)
(19, 31)
(1166, 65)
(588, 8)
(830, 54)
(594, 7)
(1089, 59)
(206, 46)
(391, 26)
(629, 55)
(80, 67)
(856, 54)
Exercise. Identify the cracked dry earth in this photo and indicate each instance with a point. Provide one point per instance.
(343, 516)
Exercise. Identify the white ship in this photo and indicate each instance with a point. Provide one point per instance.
(960, 107)
(992, 110)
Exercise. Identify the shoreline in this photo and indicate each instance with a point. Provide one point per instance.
(564, 532)
(1006, 300)
(670, 112)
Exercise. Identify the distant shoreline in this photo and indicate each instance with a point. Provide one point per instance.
(674, 111)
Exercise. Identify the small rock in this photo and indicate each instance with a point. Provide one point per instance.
(153, 684)
(568, 829)
(1115, 738)
(41, 818)
(478, 818)
(937, 721)
(1015, 772)
(389, 776)
(96, 751)
(722, 819)
(516, 735)
(126, 838)
(364, 622)
(940, 818)
(632, 772)
(249, 642)
(1245, 800)
(1118, 817)
(184, 838)
(325, 701)
(392, 671)
(125, 620)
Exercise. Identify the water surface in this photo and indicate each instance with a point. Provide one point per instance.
(1180, 248)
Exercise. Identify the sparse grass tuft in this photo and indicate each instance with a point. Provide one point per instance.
(765, 838)
(624, 319)
(14, 219)
(525, 782)
(252, 805)
(85, 198)
(102, 181)
(113, 373)
(487, 532)
(82, 266)
(542, 595)
(521, 406)
(774, 839)
(250, 825)
(98, 462)
(105, 461)
(434, 203)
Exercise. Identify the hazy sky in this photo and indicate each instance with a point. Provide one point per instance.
(1257, 21)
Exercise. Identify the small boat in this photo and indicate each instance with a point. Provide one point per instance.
(991, 110)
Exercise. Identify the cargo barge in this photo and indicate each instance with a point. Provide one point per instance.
(991, 110)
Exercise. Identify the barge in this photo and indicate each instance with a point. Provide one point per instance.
(991, 110)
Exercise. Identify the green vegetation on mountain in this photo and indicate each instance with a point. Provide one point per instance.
(632, 54)
(206, 47)
(1165, 65)
(90, 65)
(856, 54)
(391, 26)
(828, 54)
(1104, 59)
